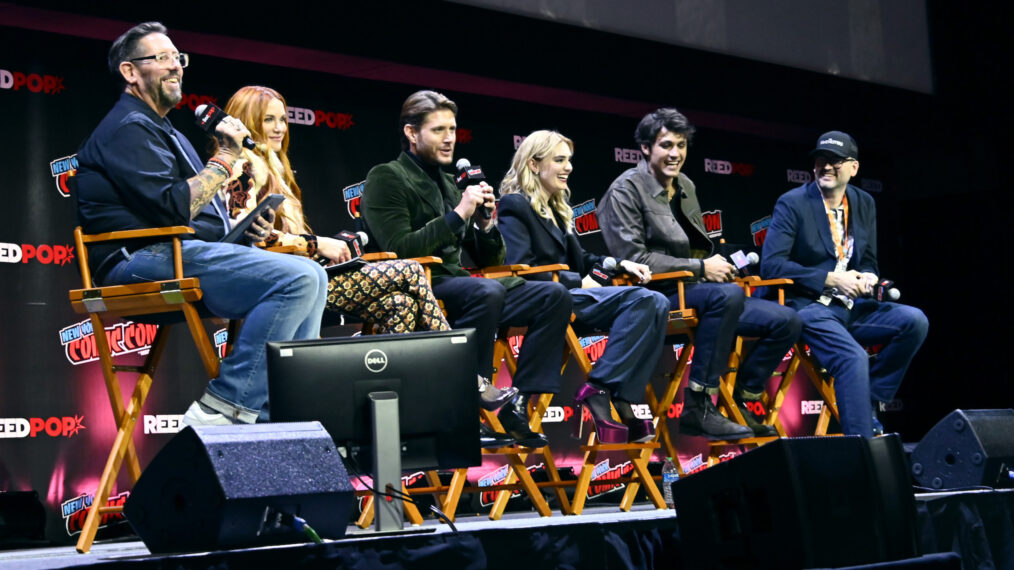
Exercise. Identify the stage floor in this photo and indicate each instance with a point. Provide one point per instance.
(971, 528)
(127, 552)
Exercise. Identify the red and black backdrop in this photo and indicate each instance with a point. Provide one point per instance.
(55, 422)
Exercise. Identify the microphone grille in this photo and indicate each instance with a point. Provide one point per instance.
(752, 257)
(200, 109)
(462, 163)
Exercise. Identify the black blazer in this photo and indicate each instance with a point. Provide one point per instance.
(534, 240)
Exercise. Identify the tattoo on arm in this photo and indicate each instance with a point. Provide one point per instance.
(203, 188)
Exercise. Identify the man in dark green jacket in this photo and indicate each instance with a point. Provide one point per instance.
(413, 208)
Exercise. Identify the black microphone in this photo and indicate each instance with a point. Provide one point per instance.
(469, 175)
(744, 261)
(885, 290)
(209, 115)
(603, 273)
(355, 240)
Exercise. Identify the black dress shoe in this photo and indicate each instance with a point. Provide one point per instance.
(489, 439)
(514, 417)
(491, 397)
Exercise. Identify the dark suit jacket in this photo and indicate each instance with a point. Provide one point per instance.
(799, 246)
(405, 211)
(534, 240)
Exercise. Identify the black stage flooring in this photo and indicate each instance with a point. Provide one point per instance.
(967, 529)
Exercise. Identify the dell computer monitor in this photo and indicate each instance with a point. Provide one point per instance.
(433, 373)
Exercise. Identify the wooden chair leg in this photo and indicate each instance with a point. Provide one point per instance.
(204, 346)
(126, 419)
(450, 504)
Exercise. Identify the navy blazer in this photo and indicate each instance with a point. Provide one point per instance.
(534, 240)
(799, 246)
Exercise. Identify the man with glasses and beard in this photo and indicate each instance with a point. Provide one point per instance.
(137, 171)
(823, 236)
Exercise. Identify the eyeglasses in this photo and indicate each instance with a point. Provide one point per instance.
(164, 58)
(835, 163)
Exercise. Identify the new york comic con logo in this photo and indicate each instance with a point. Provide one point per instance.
(603, 473)
(79, 344)
(712, 223)
(585, 219)
(353, 195)
(75, 511)
(759, 230)
(62, 169)
(499, 476)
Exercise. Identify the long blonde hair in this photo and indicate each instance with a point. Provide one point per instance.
(249, 105)
(521, 180)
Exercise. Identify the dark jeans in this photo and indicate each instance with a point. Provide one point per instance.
(485, 305)
(723, 312)
(836, 336)
(635, 319)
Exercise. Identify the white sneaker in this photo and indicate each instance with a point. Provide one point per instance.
(196, 416)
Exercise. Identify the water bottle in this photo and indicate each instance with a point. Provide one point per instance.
(669, 476)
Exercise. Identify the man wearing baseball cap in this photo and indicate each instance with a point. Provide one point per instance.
(823, 236)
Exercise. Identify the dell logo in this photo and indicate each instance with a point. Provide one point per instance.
(376, 360)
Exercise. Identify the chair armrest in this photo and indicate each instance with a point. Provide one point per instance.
(288, 250)
(137, 234)
(379, 256)
(545, 269)
(672, 275)
(505, 268)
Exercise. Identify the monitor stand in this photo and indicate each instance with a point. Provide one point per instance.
(388, 513)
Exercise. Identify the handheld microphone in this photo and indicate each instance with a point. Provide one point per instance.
(355, 240)
(469, 175)
(208, 116)
(885, 290)
(603, 273)
(744, 261)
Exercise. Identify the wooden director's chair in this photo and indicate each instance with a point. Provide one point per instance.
(726, 402)
(161, 302)
(801, 357)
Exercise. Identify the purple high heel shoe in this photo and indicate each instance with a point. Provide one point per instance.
(597, 401)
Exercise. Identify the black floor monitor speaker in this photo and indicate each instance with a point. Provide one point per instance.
(222, 487)
(967, 448)
(800, 503)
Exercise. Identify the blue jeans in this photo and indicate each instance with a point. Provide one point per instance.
(280, 297)
(836, 336)
(718, 307)
(724, 312)
(635, 319)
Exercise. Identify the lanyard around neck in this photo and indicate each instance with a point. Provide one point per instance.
(839, 239)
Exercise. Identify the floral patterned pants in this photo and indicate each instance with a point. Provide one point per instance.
(394, 296)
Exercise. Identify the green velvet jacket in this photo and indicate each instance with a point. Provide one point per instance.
(405, 211)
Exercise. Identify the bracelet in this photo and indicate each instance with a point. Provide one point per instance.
(216, 162)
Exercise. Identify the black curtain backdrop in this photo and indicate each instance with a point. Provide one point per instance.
(926, 159)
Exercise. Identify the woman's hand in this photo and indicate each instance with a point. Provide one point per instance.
(335, 250)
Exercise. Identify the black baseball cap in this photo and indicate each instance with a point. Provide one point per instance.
(837, 143)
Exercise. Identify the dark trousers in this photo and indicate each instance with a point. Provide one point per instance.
(836, 336)
(485, 305)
